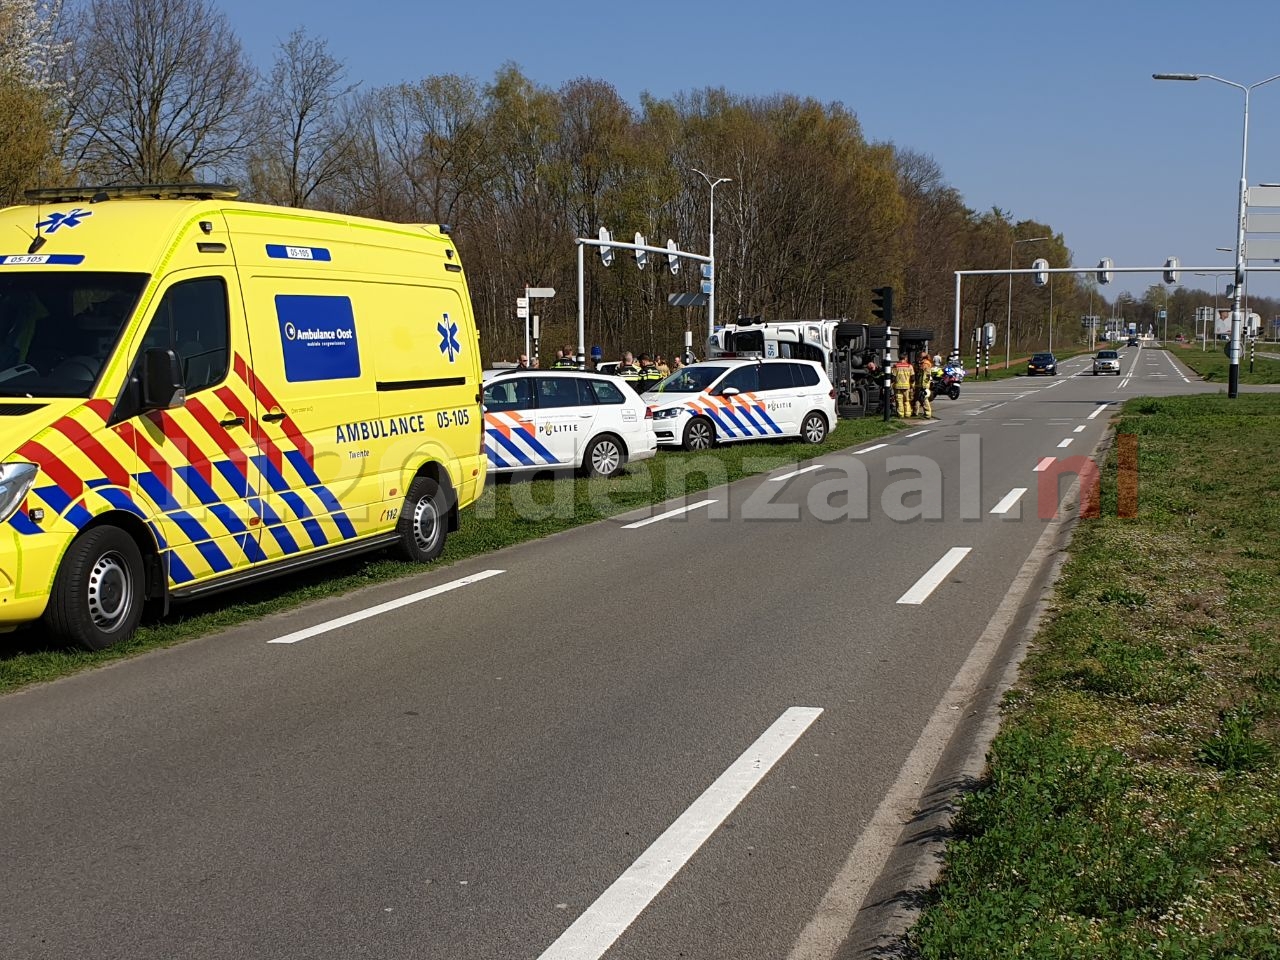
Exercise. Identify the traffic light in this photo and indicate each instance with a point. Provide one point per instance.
(1171, 270)
(882, 300)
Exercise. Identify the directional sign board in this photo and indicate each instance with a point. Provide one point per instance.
(541, 292)
(1268, 196)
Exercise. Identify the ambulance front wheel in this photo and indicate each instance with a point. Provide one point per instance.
(423, 521)
(98, 593)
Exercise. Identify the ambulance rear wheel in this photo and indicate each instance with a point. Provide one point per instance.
(699, 434)
(422, 521)
(98, 593)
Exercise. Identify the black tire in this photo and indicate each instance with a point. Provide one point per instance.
(813, 429)
(699, 434)
(99, 591)
(423, 521)
(954, 391)
(605, 456)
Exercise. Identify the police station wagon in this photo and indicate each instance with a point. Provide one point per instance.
(563, 419)
(719, 401)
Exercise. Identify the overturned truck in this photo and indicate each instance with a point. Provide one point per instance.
(854, 354)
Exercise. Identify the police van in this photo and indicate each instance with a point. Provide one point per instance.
(196, 392)
(564, 419)
(720, 401)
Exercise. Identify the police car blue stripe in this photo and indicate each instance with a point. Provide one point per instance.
(760, 412)
(495, 460)
(511, 448)
(745, 412)
(538, 448)
(724, 428)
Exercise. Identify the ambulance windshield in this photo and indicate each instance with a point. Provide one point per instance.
(57, 329)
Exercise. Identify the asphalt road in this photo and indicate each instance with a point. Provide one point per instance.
(696, 737)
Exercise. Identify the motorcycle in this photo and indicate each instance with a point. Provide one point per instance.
(948, 384)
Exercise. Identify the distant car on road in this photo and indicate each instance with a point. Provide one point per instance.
(1132, 342)
(1106, 361)
(1045, 363)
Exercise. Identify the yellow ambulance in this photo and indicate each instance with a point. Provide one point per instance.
(196, 392)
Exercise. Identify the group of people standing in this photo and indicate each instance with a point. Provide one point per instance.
(641, 372)
(913, 385)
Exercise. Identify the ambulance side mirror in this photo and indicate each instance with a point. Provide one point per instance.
(162, 386)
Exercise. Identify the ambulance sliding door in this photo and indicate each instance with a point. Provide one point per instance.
(196, 463)
(315, 387)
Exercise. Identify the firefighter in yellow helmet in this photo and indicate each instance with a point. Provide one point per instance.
(924, 381)
(903, 374)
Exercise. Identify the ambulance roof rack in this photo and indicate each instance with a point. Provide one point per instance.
(135, 191)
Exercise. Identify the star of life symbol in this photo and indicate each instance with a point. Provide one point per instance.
(449, 338)
(55, 220)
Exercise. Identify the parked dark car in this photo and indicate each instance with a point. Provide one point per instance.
(1045, 363)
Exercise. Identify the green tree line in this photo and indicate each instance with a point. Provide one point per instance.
(814, 215)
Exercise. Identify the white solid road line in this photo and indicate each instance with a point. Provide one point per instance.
(669, 514)
(1043, 465)
(1010, 498)
(918, 433)
(593, 933)
(934, 576)
(1098, 411)
(874, 446)
(796, 473)
(1065, 443)
(381, 608)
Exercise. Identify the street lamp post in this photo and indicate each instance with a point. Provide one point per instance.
(1008, 320)
(712, 182)
(1233, 378)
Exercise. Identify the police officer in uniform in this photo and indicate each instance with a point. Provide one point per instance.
(628, 370)
(566, 359)
(649, 372)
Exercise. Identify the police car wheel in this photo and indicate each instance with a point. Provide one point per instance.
(605, 457)
(97, 596)
(422, 522)
(814, 428)
(699, 434)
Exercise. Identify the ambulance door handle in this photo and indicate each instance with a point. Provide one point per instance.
(273, 417)
(232, 422)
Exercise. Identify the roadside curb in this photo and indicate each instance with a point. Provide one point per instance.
(896, 898)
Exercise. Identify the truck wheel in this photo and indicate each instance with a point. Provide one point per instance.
(699, 434)
(422, 521)
(814, 428)
(605, 457)
(98, 593)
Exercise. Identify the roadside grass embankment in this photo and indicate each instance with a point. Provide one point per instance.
(508, 513)
(1132, 802)
(1212, 364)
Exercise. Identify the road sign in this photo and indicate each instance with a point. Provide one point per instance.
(522, 301)
(522, 312)
(707, 286)
(1268, 196)
(541, 291)
(687, 299)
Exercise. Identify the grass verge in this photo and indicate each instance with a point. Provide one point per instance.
(1132, 802)
(1212, 364)
(507, 513)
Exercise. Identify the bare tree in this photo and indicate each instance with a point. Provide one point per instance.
(160, 91)
(305, 144)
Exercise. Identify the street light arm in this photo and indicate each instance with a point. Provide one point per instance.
(1175, 76)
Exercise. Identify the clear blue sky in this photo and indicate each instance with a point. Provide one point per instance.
(1046, 110)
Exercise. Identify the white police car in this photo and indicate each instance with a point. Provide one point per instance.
(723, 400)
(562, 419)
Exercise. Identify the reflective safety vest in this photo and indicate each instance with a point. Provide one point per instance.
(565, 363)
(902, 375)
(631, 372)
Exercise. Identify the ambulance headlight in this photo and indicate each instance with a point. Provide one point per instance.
(15, 480)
